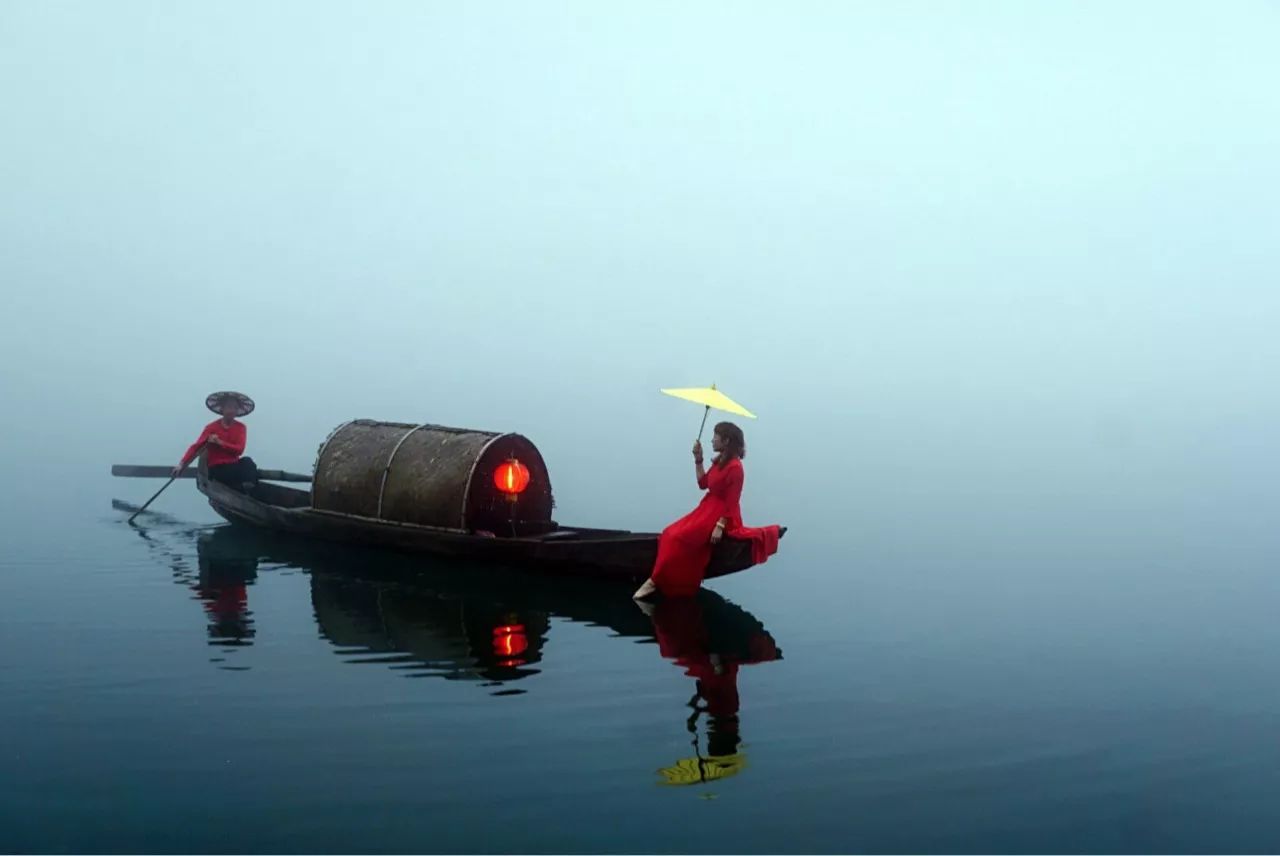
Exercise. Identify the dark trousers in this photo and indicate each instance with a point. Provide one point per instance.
(237, 474)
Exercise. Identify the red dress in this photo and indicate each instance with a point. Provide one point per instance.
(684, 549)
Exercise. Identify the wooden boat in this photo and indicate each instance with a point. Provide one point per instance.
(599, 552)
(430, 489)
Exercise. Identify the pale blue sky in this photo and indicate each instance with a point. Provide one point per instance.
(950, 243)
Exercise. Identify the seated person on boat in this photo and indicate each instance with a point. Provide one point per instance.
(224, 439)
(685, 547)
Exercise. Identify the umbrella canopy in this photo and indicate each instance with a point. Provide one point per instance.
(710, 398)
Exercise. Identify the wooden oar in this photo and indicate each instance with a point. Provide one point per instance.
(199, 451)
(152, 499)
(143, 471)
(155, 471)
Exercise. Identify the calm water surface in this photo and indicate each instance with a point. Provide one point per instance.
(994, 679)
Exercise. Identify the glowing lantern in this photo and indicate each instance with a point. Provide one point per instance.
(510, 641)
(511, 477)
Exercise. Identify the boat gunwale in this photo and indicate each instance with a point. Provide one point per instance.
(221, 494)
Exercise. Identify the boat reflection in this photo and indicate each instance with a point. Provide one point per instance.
(491, 626)
(426, 634)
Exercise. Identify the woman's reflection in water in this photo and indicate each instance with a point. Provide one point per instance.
(222, 587)
(226, 566)
(710, 639)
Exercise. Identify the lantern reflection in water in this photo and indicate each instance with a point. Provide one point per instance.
(510, 641)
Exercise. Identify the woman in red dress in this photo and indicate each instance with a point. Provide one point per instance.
(684, 549)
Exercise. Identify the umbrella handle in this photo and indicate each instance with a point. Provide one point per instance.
(703, 426)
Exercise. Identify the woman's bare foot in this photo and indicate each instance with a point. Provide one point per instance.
(646, 590)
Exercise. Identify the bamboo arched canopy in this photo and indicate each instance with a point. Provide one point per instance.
(429, 475)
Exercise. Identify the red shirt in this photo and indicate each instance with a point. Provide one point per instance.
(232, 436)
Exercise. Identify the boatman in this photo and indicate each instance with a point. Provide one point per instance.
(225, 440)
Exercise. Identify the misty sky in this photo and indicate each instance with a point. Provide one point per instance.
(937, 246)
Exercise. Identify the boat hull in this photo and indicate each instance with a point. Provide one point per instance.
(599, 553)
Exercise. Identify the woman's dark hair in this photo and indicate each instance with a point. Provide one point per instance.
(735, 443)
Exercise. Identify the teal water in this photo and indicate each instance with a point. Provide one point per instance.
(185, 686)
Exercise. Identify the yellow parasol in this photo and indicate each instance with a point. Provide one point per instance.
(698, 770)
(709, 397)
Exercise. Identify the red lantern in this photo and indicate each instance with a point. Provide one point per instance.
(511, 477)
(510, 641)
